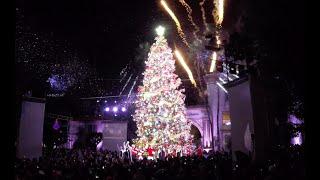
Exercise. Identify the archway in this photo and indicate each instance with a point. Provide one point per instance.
(198, 116)
(197, 141)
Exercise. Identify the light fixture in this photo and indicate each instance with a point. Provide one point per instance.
(115, 109)
(107, 109)
(123, 109)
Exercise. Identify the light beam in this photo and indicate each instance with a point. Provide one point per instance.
(185, 66)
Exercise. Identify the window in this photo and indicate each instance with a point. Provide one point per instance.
(226, 118)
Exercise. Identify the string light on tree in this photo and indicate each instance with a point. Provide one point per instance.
(160, 109)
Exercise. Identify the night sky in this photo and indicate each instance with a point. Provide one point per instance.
(104, 32)
(107, 32)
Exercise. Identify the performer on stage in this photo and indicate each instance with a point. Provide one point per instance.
(199, 151)
(140, 154)
(122, 150)
(162, 154)
(134, 150)
(129, 150)
(150, 152)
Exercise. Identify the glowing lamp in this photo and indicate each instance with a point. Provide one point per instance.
(56, 125)
(115, 109)
(123, 109)
(107, 109)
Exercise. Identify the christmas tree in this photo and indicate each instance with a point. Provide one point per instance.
(160, 109)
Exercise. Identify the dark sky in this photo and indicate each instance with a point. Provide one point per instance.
(106, 32)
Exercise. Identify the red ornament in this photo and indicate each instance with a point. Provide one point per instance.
(150, 151)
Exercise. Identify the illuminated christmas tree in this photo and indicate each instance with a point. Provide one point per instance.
(160, 109)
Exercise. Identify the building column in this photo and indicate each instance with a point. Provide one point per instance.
(29, 140)
(216, 101)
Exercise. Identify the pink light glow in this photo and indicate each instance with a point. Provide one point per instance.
(297, 140)
(99, 145)
(56, 125)
(294, 120)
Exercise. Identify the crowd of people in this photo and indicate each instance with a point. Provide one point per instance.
(91, 164)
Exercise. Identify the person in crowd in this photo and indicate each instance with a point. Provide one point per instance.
(102, 164)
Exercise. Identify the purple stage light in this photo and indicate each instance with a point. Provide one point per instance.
(107, 109)
(98, 101)
(123, 109)
(294, 120)
(297, 140)
(115, 109)
(56, 125)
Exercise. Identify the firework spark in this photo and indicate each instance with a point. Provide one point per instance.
(204, 15)
(213, 62)
(175, 19)
(189, 10)
(219, 11)
(125, 74)
(218, 40)
(185, 66)
(54, 63)
(125, 85)
(134, 83)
